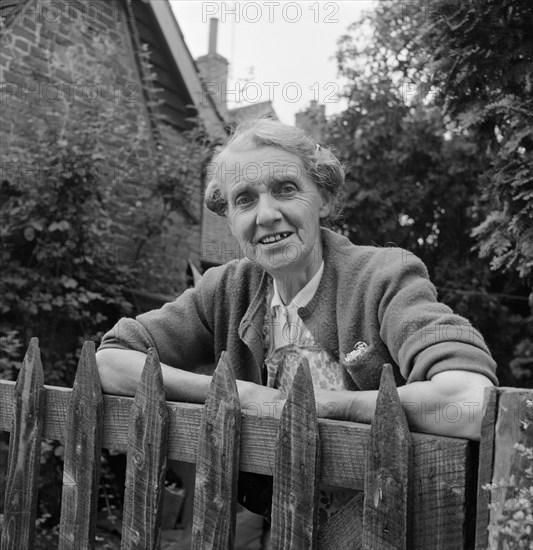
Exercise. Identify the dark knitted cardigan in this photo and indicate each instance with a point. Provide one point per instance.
(379, 296)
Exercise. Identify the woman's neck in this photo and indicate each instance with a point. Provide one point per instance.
(290, 283)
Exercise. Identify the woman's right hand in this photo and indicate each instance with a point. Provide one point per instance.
(260, 400)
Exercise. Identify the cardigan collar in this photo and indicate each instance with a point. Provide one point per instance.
(315, 315)
(251, 325)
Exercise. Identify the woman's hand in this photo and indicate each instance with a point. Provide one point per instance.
(335, 404)
(449, 404)
(260, 400)
(269, 402)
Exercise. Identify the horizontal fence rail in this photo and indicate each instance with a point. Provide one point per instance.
(418, 488)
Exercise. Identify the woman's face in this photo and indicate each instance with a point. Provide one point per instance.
(274, 209)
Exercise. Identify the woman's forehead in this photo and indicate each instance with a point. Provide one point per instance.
(264, 155)
(258, 163)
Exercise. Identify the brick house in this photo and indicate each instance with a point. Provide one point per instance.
(57, 57)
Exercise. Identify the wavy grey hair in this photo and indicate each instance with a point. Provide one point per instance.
(321, 165)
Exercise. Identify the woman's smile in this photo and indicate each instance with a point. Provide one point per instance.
(274, 238)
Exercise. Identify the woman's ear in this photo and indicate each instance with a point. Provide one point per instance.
(325, 207)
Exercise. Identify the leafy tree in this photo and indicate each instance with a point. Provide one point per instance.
(482, 60)
(416, 173)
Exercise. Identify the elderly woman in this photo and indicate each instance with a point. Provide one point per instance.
(304, 292)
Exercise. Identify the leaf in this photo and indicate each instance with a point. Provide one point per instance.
(68, 282)
(62, 225)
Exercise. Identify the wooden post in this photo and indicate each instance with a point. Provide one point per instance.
(505, 472)
(24, 453)
(386, 513)
(217, 464)
(486, 462)
(147, 458)
(81, 472)
(297, 471)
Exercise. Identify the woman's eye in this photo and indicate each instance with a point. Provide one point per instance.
(243, 200)
(287, 188)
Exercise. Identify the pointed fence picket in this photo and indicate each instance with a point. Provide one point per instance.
(22, 478)
(81, 469)
(217, 464)
(146, 462)
(419, 490)
(297, 472)
(385, 507)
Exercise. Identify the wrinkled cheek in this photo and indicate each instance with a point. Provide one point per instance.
(242, 228)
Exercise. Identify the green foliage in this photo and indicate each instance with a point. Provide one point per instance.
(515, 520)
(522, 364)
(506, 234)
(482, 59)
(12, 350)
(474, 61)
(61, 277)
(422, 171)
(175, 172)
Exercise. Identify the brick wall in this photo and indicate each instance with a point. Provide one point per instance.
(58, 58)
(181, 241)
(219, 246)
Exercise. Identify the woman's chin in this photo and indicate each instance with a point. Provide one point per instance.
(279, 269)
(281, 261)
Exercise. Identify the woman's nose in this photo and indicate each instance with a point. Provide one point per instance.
(267, 210)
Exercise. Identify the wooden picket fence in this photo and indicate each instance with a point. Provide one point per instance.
(419, 490)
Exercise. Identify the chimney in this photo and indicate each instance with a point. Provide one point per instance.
(213, 29)
(313, 120)
(213, 69)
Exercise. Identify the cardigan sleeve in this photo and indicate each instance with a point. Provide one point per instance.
(424, 336)
(181, 331)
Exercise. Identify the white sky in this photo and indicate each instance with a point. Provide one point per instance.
(290, 45)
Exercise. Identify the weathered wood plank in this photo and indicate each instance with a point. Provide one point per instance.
(389, 458)
(440, 463)
(147, 459)
(81, 471)
(511, 488)
(486, 463)
(344, 529)
(296, 477)
(27, 410)
(217, 468)
(439, 498)
(340, 466)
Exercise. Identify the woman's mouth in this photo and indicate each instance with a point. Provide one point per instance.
(270, 239)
